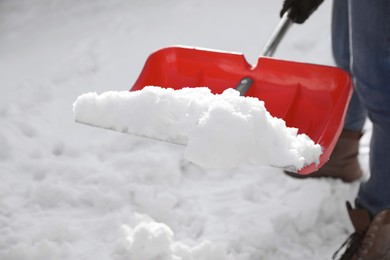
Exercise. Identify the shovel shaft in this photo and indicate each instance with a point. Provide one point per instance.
(244, 85)
(269, 49)
(277, 35)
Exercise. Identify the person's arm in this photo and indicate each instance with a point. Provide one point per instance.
(300, 9)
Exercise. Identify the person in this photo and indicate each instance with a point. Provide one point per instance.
(361, 46)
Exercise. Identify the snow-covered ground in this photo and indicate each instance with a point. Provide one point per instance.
(69, 191)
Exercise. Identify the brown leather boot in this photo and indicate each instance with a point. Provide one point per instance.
(371, 240)
(343, 162)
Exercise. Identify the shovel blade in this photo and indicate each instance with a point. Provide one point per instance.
(312, 98)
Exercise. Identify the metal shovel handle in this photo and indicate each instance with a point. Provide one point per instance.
(269, 49)
(277, 35)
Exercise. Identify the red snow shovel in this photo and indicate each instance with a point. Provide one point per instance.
(312, 98)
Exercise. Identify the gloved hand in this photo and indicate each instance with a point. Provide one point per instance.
(300, 9)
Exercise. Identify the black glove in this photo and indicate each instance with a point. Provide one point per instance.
(300, 9)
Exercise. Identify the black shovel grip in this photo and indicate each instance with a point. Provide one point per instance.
(300, 10)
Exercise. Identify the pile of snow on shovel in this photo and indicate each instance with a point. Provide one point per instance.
(218, 130)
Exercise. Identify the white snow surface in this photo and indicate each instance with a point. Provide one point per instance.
(69, 191)
(218, 131)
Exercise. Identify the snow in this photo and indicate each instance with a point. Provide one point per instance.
(219, 131)
(69, 191)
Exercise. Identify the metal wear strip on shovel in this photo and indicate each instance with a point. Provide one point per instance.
(312, 98)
